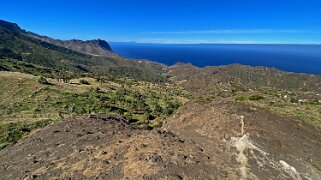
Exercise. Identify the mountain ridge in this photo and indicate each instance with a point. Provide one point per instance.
(95, 47)
(28, 47)
(9, 26)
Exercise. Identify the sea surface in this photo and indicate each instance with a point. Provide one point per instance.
(292, 58)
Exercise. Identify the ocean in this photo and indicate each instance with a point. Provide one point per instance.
(291, 58)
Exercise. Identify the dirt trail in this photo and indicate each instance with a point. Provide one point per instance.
(242, 125)
(246, 149)
(241, 144)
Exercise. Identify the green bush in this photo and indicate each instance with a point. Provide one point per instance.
(14, 136)
(4, 145)
(158, 124)
(16, 131)
(82, 81)
(128, 116)
(255, 98)
(293, 100)
(240, 98)
(44, 81)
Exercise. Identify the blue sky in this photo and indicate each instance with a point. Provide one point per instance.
(171, 21)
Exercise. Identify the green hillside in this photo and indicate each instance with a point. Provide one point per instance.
(29, 102)
(17, 44)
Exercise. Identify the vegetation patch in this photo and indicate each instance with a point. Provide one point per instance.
(83, 81)
(44, 81)
(240, 98)
(29, 103)
(204, 100)
(256, 97)
(12, 132)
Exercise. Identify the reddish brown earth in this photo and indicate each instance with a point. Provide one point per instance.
(220, 140)
(105, 148)
(249, 142)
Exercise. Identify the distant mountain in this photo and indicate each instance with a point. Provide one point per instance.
(78, 56)
(95, 47)
(245, 76)
(13, 27)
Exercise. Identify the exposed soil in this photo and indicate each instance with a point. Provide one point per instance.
(222, 140)
(105, 148)
(249, 142)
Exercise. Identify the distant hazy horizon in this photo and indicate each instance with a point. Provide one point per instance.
(292, 58)
(214, 43)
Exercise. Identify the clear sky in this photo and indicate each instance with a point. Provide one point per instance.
(170, 21)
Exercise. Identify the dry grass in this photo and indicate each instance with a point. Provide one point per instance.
(307, 112)
(26, 103)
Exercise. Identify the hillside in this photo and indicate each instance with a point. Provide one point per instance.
(284, 93)
(247, 76)
(28, 102)
(106, 148)
(69, 113)
(91, 47)
(15, 44)
(218, 141)
(13, 27)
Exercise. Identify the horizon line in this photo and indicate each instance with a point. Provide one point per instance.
(213, 43)
(236, 31)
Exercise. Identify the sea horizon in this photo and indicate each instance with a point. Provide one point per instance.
(135, 42)
(298, 58)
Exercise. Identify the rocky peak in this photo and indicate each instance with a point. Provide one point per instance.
(9, 26)
(96, 42)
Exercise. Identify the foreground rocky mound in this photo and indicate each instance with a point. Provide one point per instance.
(247, 142)
(220, 140)
(106, 148)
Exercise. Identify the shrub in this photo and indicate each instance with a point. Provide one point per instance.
(240, 98)
(43, 80)
(256, 97)
(293, 100)
(158, 124)
(14, 136)
(82, 81)
(4, 145)
(128, 116)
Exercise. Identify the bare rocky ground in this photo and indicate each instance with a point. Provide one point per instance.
(248, 142)
(220, 140)
(104, 148)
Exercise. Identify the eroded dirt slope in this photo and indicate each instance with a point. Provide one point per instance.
(105, 148)
(250, 143)
(220, 140)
